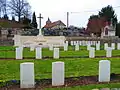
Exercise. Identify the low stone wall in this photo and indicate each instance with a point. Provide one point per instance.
(6, 42)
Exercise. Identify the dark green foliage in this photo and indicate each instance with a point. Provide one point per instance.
(109, 13)
(34, 22)
(118, 29)
(93, 17)
(26, 21)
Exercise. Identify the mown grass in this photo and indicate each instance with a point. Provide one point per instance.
(9, 70)
(74, 67)
(9, 52)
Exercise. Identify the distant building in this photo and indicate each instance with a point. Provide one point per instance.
(54, 25)
(100, 27)
(108, 30)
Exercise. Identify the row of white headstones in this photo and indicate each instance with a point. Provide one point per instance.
(27, 77)
(19, 50)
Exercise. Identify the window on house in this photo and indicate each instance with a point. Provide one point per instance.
(106, 31)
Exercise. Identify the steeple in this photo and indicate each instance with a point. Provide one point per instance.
(48, 21)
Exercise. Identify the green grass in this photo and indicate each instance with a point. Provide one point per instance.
(9, 52)
(73, 67)
(7, 48)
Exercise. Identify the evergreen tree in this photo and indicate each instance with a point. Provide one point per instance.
(34, 22)
(109, 13)
(118, 29)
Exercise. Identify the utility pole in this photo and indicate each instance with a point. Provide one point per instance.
(40, 17)
(67, 20)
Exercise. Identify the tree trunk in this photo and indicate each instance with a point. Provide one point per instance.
(18, 17)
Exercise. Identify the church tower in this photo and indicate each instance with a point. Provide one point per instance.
(48, 21)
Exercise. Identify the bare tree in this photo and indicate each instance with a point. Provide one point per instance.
(19, 8)
(0, 8)
(3, 7)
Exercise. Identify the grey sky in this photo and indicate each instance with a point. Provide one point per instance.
(57, 9)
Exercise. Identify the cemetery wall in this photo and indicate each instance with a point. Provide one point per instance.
(6, 42)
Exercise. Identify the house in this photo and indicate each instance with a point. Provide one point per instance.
(95, 26)
(100, 27)
(54, 25)
(108, 30)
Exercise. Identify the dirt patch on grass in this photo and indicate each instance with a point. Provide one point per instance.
(71, 81)
(49, 57)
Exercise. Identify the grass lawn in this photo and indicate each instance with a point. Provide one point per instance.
(9, 70)
(9, 52)
(73, 67)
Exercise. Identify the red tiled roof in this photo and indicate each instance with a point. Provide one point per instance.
(50, 25)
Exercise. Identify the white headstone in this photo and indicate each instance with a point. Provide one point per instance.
(109, 52)
(83, 43)
(92, 52)
(38, 53)
(71, 43)
(94, 42)
(113, 46)
(77, 47)
(21, 47)
(19, 53)
(88, 47)
(56, 53)
(27, 75)
(57, 73)
(80, 43)
(105, 46)
(32, 47)
(51, 47)
(65, 47)
(99, 42)
(104, 71)
(118, 46)
(77, 42)
(74, 42)
(97, 46)
(88, 43)
(66, 42)
(91, 42)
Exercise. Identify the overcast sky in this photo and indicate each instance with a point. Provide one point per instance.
(57, 9)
